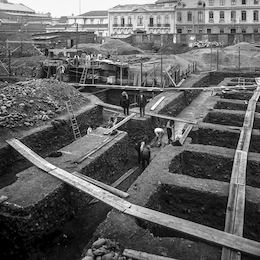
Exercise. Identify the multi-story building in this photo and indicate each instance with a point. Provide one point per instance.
(158, 18)
(96, 21)
(217, 16)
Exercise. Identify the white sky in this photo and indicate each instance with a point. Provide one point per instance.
(59, 8)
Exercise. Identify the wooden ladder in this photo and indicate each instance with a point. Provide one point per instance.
(84, 75)
(73, 120)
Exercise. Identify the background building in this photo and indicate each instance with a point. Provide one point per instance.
(158, 18)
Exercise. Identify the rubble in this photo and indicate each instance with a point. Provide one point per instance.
(34, 102)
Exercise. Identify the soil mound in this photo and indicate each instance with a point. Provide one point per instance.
(122, 48)
(243, 46)
(31, 103)
(174, 48)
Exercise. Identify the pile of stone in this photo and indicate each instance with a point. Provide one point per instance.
(34, 102)
(104, 249)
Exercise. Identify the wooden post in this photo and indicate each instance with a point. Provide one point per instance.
(121, 74)
(141, 72)
(9, 62)
(211, 57)
(238, 58)
(217, 59)
(161, 71)
(93, 73)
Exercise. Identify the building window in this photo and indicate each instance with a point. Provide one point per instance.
(140, 20)
(200, 30)
(211, 16)
(211, 2)
(179, 30)
(167, 19)
(158, 20)
(129, 20)
(115, 20)
(221, 30)
(221, 2)
(233, 2)
(243, 16)
(243, 2)
(200, 16)
(189, 16)
(221, 15)
(256, 2)
(255, 30)
(179, 16)
(233, 30)
(233, 16)
(122, 21)
(151, 21)
(243, 30)
(189, 30)
(256, 16)
(208, 30)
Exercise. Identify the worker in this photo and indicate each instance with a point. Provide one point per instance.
(112, 121)
(141, 102)
(125, 102)
(145, 154)
(159, 133)
(170, 131)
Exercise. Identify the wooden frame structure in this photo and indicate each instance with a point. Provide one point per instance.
(190, 228)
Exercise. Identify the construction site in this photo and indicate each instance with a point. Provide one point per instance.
(70, 193)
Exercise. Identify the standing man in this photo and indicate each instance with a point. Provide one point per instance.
(141, 102)
(145, 154)
(125, 102)
(170, 131)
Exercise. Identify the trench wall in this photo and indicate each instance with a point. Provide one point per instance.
(200, 207)
(24, 228)
(47, 139)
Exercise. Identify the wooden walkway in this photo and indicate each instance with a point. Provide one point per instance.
(212, 235)
(234, 222)
(117, 108)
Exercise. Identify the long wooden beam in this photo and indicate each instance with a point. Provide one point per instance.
(110, 130)
(157, 103)
(117, 108)
(143, 256)
(234, 222)
(209, 234)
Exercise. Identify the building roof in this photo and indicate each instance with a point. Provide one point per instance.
(15, 7)
(95, 13)
(166, 1)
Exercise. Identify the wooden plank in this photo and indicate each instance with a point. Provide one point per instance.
(117, 108)
(203, 232)
(110, 130)
(157, 103)
(144, 256)
(126, 87)
(171, 79)
(118, 181)
(184, 226)
(234, 222)
(96, 148)
(180, 83)
(125, 176)
(185, 135)
(102, 185)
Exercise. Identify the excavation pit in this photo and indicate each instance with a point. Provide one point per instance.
(213, 163)
(200, 207)
(225, 117)
(222, 136)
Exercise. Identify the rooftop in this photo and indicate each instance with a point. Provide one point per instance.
(15, 7)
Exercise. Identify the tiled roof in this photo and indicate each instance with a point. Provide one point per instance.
(15, 7)
(166, 1)
(95, 13)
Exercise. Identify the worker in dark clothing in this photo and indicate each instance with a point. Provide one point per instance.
(137, 148)
(145, 154)
(170, 131)
(125, 102)
(141, 102)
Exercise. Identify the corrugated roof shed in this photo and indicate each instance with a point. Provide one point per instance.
(15, 7)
